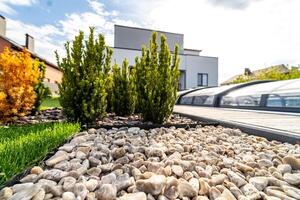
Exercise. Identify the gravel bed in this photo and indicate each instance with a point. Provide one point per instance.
(201, 163)
(56, 115)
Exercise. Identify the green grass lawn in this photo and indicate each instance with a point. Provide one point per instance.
(25, 146)
(50, 103)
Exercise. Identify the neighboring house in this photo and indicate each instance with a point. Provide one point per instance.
(252, 74)
(53, 74)
(195, 70)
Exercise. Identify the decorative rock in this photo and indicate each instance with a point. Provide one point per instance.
(91, 196)
(119, 142)
(293, 179)
(40, 195)
(214, 193)
(58, 157)
(6, 193)
(250, 191)
(54, 174)
(108, 179)
(204, 187)
(80, 190)
(36, 170)
(118, 152)
(265, 163)
(236, 179)
(201, 198)
(218, 179)
(177, 170)
(95, 171)
(19, 187)
(68, 196)
(216, 163)
(124, 181)
(291, 191)
(134, 196)
(259, 183)
(292, 161)
(195, 184)
(186, 190)
(94, 162)
(56, 190)
(107, 192)
(170, 190)
(92, 131)
(228, 195)
(153, 185)
(244, 168)
(91, 185)
(284, 168)
(187, 175)
(29, 178)
(277, 193)
(26, 194)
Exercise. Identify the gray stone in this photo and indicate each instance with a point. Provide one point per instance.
(58, 157)
(107, 192)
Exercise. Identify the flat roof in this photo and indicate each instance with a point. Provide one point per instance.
(146, 29)
(198, 50)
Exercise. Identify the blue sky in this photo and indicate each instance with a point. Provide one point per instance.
(242, 33)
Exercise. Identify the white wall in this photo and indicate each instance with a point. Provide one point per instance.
(200, 64)
(191, 64)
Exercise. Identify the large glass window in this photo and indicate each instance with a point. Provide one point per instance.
(202, 79)
(289, 100)
(186, 100)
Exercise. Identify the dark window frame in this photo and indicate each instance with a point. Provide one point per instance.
(202, 83)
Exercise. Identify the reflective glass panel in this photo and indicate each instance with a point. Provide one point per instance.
(186, 100)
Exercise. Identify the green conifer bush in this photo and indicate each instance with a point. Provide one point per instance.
(157, 76)
(83, 91)
(123, 89)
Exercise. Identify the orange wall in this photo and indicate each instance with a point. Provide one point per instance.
(53, 75)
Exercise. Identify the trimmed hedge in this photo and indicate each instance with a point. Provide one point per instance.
(24, 146)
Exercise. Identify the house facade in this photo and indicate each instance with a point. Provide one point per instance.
(195, 70)
(53, 74)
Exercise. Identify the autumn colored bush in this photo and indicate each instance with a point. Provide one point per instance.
(18, 77)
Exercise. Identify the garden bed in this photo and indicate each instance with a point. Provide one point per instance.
(111, 120)
(131, 163)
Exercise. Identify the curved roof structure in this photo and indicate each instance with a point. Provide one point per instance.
(259, 95)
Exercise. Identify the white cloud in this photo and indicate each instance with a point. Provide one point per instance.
(50, 37)
(236, 4)
(262, 34)
(5, 5)
(98, 7)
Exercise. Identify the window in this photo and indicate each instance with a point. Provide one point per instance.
(290, 100)
(202, 79)
(186, 100)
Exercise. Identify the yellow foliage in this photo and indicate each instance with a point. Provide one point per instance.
(18, 76)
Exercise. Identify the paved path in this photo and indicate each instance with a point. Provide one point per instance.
(283, 126)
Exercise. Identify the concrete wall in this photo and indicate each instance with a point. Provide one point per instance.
(192, 65)
(134, 38)
(200, 64)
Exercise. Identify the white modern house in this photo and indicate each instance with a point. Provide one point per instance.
(195, 70)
